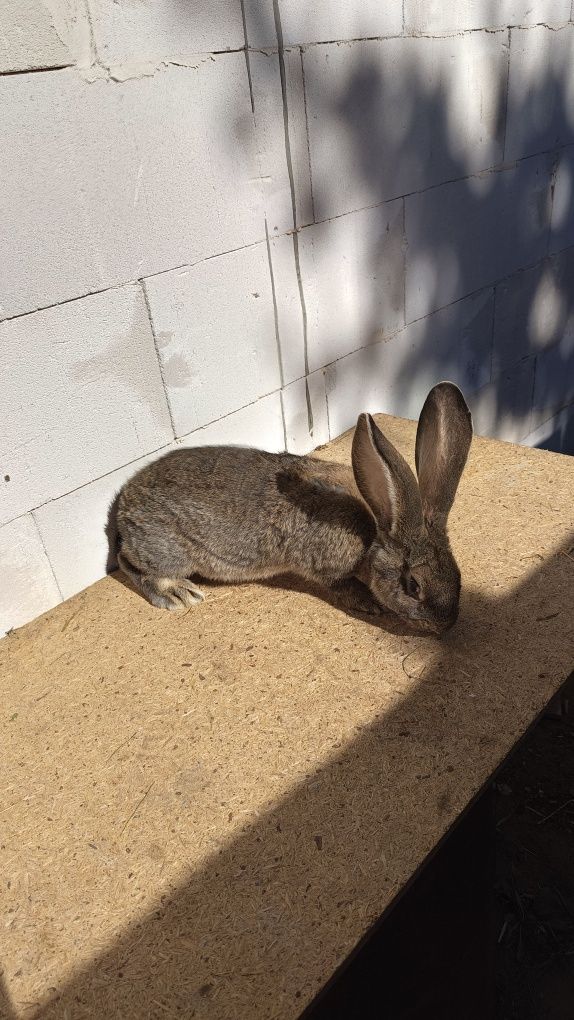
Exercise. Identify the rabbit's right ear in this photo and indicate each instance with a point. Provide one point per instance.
(444, 435)
(385, 480)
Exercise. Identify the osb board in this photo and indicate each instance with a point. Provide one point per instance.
(202, 814)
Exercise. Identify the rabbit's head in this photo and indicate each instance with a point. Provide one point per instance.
(410, 567)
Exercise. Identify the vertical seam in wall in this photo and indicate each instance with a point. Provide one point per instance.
(284, 419)
(405, 251)
(159, 361)
(93, 45)
(506, 95)
(553, 173)
(283, 76)
(307, 133)
(530, 416)
(246, 51)
(41, 537)
(404, 30)
(492, 334)
(327, 404)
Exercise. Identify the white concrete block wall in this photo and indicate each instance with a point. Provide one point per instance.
(397, 373)
(95, 170)
(562, 223)
(321, 21)
(248, 225)
(433, 17)
(540, 90)
(394, 116)
(270, 116)
(498, 225)
(29, 37)
(215, 333)
(352, 269)
(132, 35)
(82, 395)
(28, 583)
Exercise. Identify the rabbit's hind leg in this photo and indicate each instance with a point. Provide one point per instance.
(164, 592)
(172, 592)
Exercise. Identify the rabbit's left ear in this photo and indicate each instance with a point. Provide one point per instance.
(385, 480)
(444, 436)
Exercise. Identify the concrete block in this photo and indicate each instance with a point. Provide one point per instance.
(534, 310)
(132, 34)
(471, 233)
(259, 425)
(353, 277)
(393, 116)
(288, 307)
(299, 438)
(215, 330)
(562, 225)
(270, 129)
(105, 183)
(555, 434)
(502, 409)
(73, 530)
(73, 527)
(360, 382)
(28, 586)
(435, 17)
(454, 343)
(395, 376)
(82, 394)
(321, 21)
(554, 382)
(29, 37)
(540, 90)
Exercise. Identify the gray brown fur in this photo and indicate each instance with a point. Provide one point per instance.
(233, 514)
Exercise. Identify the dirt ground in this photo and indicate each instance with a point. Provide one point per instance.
(535, 876)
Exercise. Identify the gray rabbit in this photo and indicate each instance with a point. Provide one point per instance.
(369, 532)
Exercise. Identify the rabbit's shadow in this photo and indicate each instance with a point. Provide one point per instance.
(388, 622)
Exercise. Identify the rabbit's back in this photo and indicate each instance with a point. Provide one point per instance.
(231, 513)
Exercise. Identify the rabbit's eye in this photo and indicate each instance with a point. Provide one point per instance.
(412, 587)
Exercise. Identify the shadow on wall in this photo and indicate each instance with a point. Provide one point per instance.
(477, 262)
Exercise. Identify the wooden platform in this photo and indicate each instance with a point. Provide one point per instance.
(202, 814)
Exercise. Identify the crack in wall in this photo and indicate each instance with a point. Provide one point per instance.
(93, 44)
(159, 361)
(289, 159)
(491, 376)
(41, 537)
(96, 68)
(506, 94)
(408, 34)
(275, 311)
(307, 134)
(247, 61)
(553, 174)
(36, 70)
